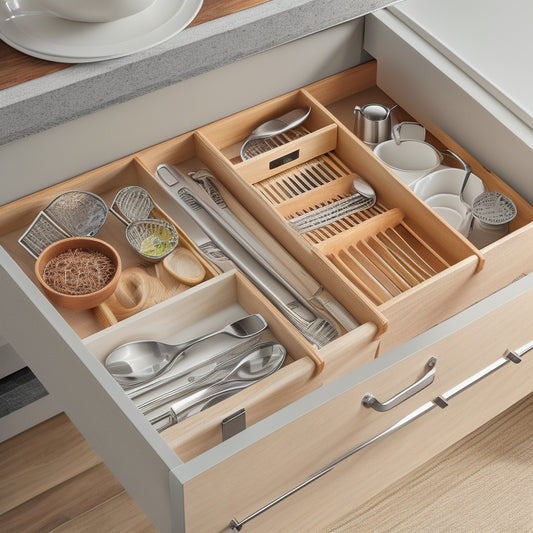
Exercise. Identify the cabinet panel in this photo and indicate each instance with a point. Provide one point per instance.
(463, 346)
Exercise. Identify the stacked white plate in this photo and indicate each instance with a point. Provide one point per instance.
(56, 39)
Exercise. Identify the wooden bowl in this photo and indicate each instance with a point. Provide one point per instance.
(78, 302)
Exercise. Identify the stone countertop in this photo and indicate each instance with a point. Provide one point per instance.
(45, 102)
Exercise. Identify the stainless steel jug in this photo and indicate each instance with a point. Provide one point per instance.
(373, 123)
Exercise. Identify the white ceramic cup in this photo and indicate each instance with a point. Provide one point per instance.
(449, 181)
(410, 159)
(453, 210)
(95, 10)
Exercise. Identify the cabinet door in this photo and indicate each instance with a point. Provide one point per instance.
(339, 453)
(87, 393)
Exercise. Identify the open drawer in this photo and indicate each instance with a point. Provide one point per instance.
(337, 453)
(316, 388)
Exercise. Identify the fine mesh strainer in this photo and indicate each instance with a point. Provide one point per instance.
(493, 208)
(132, 203)
(151, 238)
(71, 214)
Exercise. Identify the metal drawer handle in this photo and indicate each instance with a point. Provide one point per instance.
(428, 406)
(369, 400)
(514, 356)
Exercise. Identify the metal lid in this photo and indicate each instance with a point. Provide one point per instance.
(493, 208)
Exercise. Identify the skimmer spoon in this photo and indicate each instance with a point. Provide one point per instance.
(139, 361)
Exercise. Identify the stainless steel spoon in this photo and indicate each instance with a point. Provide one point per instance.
(209, 374)
(276, 126)
(363, 196)
(255, 366)
(139, 361)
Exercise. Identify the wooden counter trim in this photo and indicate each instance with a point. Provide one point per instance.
(16, 67)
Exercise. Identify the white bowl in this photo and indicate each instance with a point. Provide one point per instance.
(453, 210)
(448, 181)
(410, 159)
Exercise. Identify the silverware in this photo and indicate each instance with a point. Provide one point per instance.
(363, 197)
(139, 361)
(208, 373)
(219, 356)
(275, 127)
(217, 206)
(315, 329)
(254, 367)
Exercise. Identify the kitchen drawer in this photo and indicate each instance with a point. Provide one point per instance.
(325, 427)
(309, 412)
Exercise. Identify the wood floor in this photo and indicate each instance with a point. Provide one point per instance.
(51, 480)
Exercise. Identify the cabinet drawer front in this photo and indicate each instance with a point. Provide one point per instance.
(327, 429)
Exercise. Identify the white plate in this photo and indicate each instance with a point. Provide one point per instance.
(55, 39)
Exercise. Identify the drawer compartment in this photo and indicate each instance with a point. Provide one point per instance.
(463, 346)
(150, 283)
(209, 307)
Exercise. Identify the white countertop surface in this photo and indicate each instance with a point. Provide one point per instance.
(488, 39)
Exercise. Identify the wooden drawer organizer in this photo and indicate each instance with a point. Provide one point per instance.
(394, 254)
(383, 265)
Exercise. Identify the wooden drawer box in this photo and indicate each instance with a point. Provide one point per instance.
(309, 412)
(385, 445)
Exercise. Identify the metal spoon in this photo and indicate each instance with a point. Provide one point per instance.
(207, 375)
(139, 361)
(255, 366)
(361, 186)
(276, 126)
(362, 197)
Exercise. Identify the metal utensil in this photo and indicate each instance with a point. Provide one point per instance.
(132, 203)
(213, 190)
(70, 214)
(152, 238)
(218, 357)
(315, 329)
(363, 197)
(468, 172)
(251, 369)
(276, 126)
(139, 361)
(210, 373)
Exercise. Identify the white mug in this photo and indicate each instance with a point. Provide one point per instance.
(410, 159)
(95, 10)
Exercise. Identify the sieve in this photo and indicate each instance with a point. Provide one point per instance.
(132, 203)
(151, 238)
(493, 208)
(492, 212)
(71, 214)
